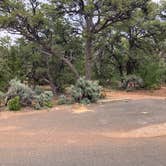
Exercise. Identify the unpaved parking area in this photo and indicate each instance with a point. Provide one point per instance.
(135, 95)
(121, 133)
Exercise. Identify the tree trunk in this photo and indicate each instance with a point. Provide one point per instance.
(120, 71)
(88, 59)
(88, 49)
(53, 86)
(131, 66)
(71, 66)
(131, 63)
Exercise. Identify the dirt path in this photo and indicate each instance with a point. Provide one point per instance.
(122, 133)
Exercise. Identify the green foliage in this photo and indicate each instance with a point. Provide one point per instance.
(62, 100)
(122, 40)
(24, 92)
(28, 97)
(152, 73)
(4, 69)
(14, 104)
(38, 90)
(43, 100)
(2, 95)
(85, 91)
(85, 101)
(65, 100)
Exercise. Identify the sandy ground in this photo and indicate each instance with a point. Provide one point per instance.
(125, 129)
(134, 95)
(121, 133)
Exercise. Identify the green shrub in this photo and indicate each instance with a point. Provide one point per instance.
(64, 100)
(85, 101)
(24, 92)
(43, 100)
(2, 95)
(85, 91)
(152, 74)
(48, 104)
(38, 90)
(27, 97)
(14, 104)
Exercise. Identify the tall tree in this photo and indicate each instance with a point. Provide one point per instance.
(128, 43)
(32, 20)
(93, 16)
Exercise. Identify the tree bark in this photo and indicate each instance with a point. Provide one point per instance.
(88, 49)
(88, 59)
(71, 66)
(131, 66)
(53, 86)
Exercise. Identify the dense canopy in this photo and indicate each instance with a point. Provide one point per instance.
(62, 40)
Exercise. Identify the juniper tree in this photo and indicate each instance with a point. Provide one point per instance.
(90, 17)
(32, 20)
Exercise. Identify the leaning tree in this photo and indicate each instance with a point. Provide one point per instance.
(34, 21)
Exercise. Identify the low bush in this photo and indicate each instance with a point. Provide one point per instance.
(43, 100)
(65, 100)
(14, 104)
(28, 97)
(38, 90)
(24, 92)
(85, 91)
(62, 100)
(2, 95)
